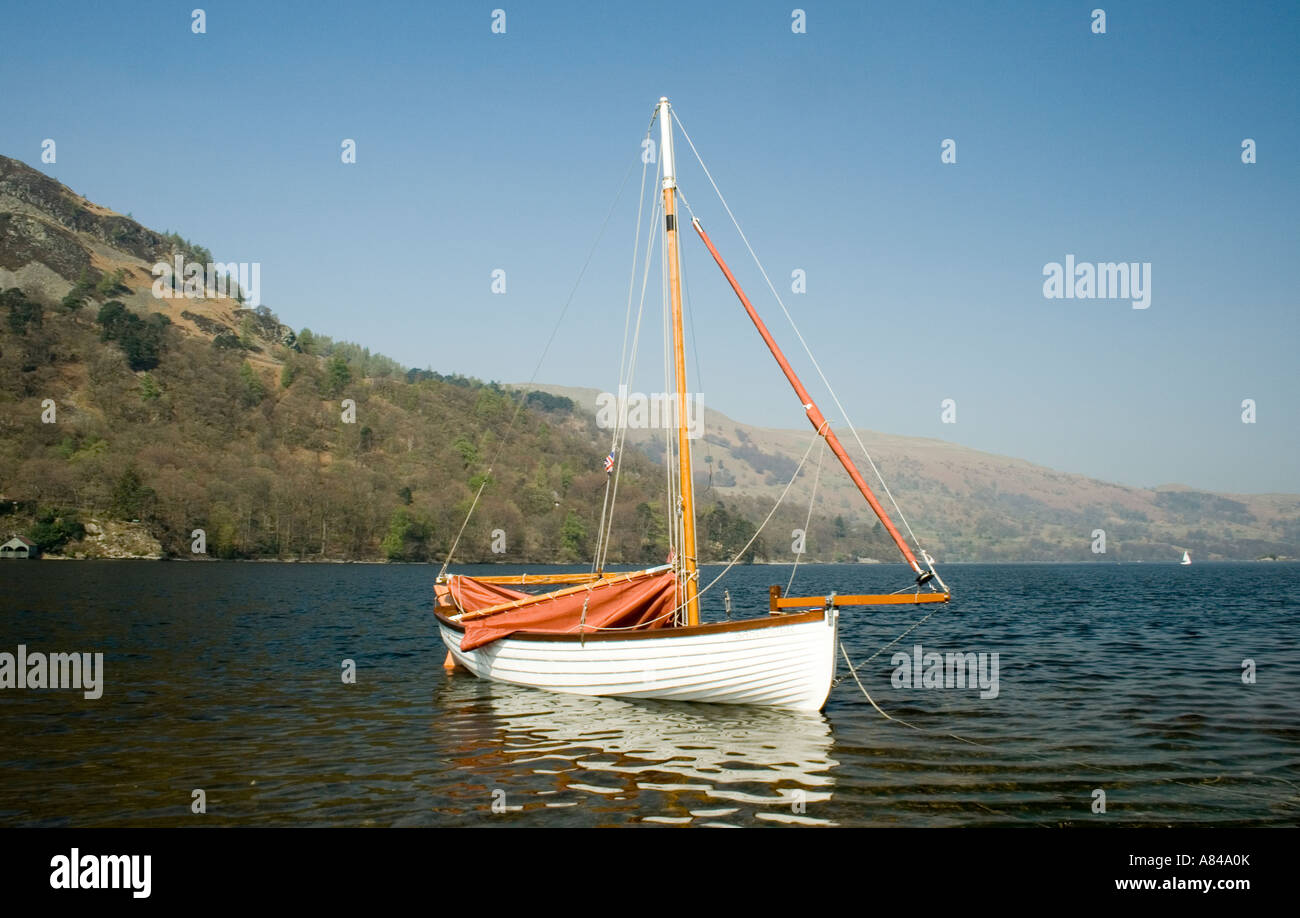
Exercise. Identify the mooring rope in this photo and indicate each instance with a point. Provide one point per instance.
(1037, 755)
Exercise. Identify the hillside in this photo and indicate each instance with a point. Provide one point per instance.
(121, 411)
(190, 414)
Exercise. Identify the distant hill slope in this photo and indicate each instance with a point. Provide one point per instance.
(51, 238)
(970, 505)
(197, 414)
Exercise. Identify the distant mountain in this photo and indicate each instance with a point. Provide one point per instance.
(967, 505)
(129, 423)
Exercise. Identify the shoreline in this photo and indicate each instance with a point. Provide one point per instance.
(634, 564)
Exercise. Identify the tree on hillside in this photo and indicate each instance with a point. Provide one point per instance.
(141, 340)
(254, 390)
(149, 390)
(76, 297)
(131, 498)
(724, 534)
(111, 284)
(55, 528)
(22, 312)
(337, 376)
(573, 537)
(408, 537)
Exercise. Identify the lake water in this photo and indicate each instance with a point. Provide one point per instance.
(226, 677)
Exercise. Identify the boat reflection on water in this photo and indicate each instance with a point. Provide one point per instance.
(634, 761)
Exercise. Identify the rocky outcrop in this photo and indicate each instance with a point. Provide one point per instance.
(25, 239)
(115, 539)
(24, 190)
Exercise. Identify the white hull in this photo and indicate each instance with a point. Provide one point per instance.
(788, 664)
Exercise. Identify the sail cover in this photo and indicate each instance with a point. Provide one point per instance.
(646, 603)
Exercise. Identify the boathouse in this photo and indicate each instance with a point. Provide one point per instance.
(19, 547)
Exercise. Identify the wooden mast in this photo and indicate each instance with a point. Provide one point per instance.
(686, 484)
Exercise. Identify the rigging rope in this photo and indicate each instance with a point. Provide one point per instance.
(519, 406)
(914, 626)
(798, 334)
(736, 559)
(771, 513)
(615, 447)
(621, 423)
(821, 454)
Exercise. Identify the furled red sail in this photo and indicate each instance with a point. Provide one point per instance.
(647, 602)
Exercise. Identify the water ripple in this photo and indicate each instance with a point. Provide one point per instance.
(226, 678)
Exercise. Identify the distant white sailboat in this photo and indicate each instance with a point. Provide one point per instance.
(1187, 559)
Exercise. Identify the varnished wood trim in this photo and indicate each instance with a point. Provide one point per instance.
(771, 621)
(866, 599)
(511, 605)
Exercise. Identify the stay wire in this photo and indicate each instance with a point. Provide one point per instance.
(519, 405)
(798, 334)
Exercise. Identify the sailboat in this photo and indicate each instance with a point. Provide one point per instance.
(639, 634)
(1187, 558)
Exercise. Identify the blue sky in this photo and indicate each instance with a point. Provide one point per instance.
(478, 151)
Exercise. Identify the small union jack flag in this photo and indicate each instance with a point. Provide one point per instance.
(609, 461)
